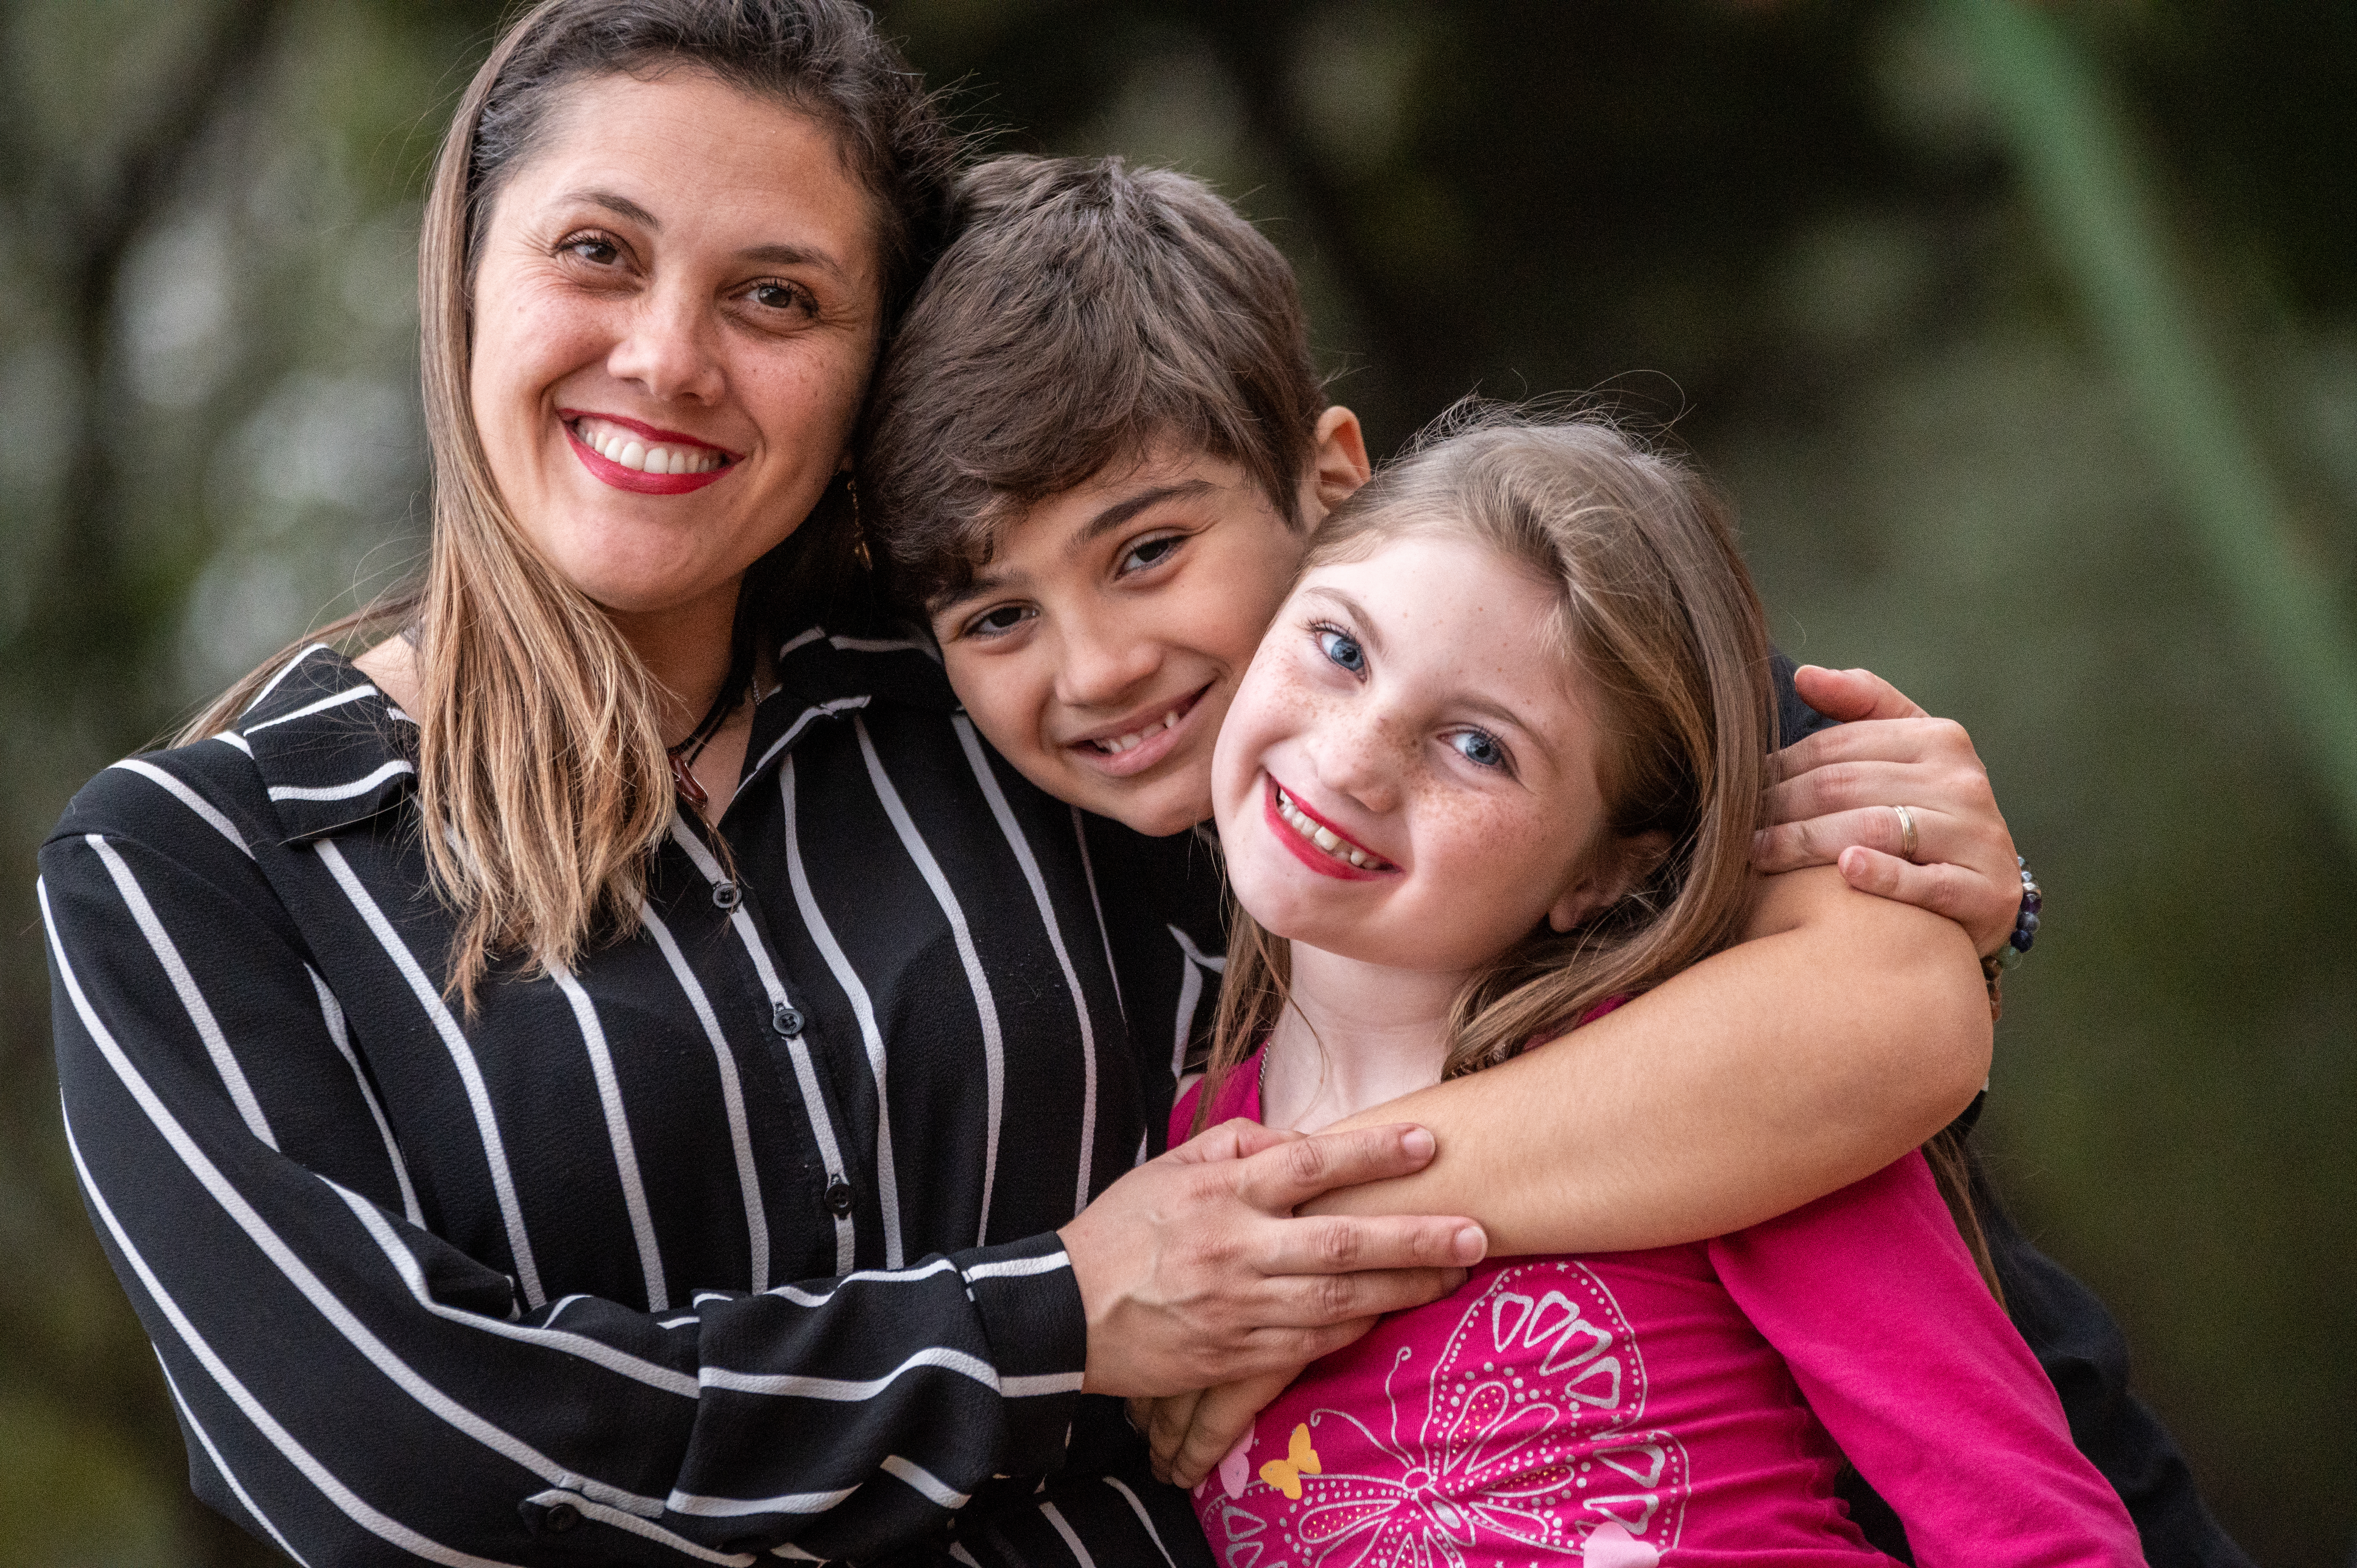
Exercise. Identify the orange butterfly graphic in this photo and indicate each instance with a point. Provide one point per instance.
(1285, 1473)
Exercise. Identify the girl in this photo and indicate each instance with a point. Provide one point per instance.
(1494, 771)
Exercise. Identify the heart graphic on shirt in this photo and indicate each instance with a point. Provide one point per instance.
(1301, 1460)
(1236, 1470)
(1611, 1545)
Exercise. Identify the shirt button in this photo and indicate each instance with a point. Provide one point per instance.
(560, 1517)
(725, 896)
(786, 1021)
(838, 1198)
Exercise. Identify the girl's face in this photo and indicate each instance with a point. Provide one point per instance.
(675, 312)
(1407, 776)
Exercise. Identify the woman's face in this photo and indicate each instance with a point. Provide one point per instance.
(1407, 776)
(675, 310)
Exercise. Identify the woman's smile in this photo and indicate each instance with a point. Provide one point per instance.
(631, 455)
(664, 387)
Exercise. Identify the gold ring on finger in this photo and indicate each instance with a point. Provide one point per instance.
(1906, 833)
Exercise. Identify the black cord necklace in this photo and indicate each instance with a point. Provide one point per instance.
(738, 681)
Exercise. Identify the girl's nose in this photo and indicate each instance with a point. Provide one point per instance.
(1357, 754)
(667, 349)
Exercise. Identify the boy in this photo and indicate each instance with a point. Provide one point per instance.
(1095, 450)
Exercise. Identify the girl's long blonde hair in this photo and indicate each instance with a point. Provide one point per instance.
(540, 742)
(1655, 609)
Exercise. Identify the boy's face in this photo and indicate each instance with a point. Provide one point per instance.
(1099, 647)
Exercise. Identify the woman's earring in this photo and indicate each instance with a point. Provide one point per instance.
(858, 528)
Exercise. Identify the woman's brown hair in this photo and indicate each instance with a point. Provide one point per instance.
(1656, 612)
(540, 747)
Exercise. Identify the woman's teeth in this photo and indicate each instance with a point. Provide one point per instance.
(1324, 837)
(1137, 738)
(631, 450)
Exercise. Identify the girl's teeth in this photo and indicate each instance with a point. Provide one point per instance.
(1324, 837)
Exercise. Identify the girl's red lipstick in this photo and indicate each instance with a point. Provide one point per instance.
(1292, 824)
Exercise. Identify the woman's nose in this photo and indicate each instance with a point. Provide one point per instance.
(667, 348)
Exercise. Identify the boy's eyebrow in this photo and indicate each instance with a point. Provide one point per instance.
(1128, 507)
(1097, 527)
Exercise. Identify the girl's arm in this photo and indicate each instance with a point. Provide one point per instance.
(1872, 1300)
(1846, 1031)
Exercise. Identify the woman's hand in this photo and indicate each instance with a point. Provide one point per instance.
(1193, 1271)
(1192, 1432)
(1835, 790)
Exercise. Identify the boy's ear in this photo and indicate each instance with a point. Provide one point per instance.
(1618, 865)
(1338, 460)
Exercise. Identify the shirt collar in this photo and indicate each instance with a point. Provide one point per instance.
(330, 749)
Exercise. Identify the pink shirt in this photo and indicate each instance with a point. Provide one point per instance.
(1688, 1404)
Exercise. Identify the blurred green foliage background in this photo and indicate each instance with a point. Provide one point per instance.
(1800, 230)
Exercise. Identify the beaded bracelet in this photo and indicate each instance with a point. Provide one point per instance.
(2025, 935)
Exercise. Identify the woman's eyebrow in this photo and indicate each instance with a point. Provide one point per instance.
(775, 254)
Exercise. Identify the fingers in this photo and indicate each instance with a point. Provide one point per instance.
(1276, 1179)
(1942, 743)
(1820, 840)
(1964, 896)
(1235, 1139)
(1313, 1303)
(1335, 1244)
(1219, 1419)
(1166, 1422)
(1852, 695)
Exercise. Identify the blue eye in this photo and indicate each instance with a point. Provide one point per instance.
(1481, 749)
(1343, 649)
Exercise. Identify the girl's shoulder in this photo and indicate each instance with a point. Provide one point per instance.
(1239, 1095)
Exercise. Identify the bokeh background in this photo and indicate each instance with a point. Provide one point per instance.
(2025, 338)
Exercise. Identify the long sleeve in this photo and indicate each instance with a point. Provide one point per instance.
(1872, 1299)
(357, 1389)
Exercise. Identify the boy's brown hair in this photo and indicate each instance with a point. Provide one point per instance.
(1085, 311)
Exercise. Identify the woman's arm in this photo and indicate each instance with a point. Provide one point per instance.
(1846, 1031)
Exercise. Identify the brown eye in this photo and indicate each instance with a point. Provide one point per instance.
(595, 249)
(779, 297)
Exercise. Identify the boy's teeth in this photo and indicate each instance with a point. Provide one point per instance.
(1135, 739)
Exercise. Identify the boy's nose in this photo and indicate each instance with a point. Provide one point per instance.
(1100, 668)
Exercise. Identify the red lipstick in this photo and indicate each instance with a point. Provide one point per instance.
(612, 472)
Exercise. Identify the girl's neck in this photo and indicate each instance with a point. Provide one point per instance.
(1357, 1035)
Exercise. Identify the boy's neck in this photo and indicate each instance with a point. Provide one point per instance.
(1357, 1035)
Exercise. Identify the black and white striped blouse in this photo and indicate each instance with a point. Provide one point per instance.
(737, 1239)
